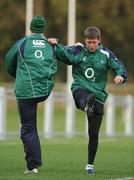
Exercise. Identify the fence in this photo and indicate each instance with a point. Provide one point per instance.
(126, 103)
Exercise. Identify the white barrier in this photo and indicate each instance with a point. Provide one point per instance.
(111, 104)
(70, 117)
(48, 116)
(129, 115)
(2, 113)
(126, 102)
(110, 115)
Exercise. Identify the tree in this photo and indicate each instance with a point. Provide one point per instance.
(115, 19)
(12, 27)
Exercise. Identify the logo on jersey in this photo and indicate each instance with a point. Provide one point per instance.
(89, 73)
(38, 42)
(84, 59)
(102, 62)
(38, 54)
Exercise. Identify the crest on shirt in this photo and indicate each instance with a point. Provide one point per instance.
(102, 61)
(84, 59)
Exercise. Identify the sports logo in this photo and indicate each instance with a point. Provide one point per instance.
(84, 59)
(38, 42)
(89, 73)
(102, 62)
(38, 54)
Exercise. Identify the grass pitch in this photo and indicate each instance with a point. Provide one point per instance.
(65, 159)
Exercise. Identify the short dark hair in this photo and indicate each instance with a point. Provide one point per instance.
(92, 33)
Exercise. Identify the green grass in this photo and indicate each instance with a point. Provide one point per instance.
(65, 159)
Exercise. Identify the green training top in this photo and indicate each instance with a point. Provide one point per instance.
(31, 61)
(90, 70)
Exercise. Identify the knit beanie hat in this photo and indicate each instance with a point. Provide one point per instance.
(37, 24)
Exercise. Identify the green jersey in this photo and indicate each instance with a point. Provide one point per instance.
(31, 61)
(90, 70)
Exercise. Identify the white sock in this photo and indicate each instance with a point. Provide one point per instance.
(88, 166)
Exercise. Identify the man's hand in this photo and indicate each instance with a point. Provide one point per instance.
(118, 79)
(53, 41)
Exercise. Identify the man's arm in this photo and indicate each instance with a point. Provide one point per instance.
(118, 68)
(119, 71)
(67, 54)
(11, 61)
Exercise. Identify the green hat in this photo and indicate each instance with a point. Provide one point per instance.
(37, 24)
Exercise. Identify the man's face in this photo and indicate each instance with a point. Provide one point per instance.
(92, 44)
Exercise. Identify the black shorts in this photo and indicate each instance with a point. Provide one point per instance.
(80, 97)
